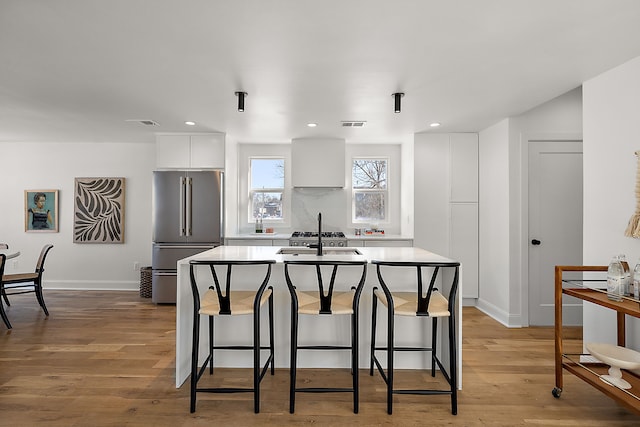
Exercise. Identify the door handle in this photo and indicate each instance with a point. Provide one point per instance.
(182, 207)
(188, 205)
(535, 242)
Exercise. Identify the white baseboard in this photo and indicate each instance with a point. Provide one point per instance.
(92, 285)
(469, 302)
(508, 320)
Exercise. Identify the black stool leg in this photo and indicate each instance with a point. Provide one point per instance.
(354, 359)
(434, 340)
(294, 352)
(211, 345)
(374, 309)
(453, 369)
(271, 340)
(390, 351)
(256, 360)
(194, 360)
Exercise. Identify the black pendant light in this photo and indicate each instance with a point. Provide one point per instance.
(241, 96)
(396, 101)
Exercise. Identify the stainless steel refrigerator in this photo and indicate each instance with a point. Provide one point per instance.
(187, 218)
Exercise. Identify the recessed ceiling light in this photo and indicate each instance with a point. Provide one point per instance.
(312, 125)
(434, 124)
(190, 123)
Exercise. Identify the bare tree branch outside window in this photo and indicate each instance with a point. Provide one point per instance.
(267, 188)
(369, 182)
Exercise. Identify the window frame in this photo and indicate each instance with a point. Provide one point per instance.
(386, 191)
(251, 191)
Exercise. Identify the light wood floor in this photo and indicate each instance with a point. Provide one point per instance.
(107, 359)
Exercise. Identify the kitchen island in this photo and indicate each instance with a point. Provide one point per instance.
(408, 330)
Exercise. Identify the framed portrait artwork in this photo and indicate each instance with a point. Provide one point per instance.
(98, 210)
(41, 211)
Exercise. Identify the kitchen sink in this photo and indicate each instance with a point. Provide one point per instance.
(313, 251)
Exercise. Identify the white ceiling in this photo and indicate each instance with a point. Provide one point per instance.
(77, 70)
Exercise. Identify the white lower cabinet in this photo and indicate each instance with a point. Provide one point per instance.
(464, 245)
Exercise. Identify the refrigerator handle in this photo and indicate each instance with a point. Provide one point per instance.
(182, 206)
(189, 206)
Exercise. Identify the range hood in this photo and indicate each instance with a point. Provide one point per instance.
(318, 162)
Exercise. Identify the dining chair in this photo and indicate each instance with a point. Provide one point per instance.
(3, 259)
(423, 303)
(22, 283)
(339, 295)
(223, 302)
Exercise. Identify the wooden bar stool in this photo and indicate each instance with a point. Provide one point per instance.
(422, 303)
(220, 300)
(326, 300)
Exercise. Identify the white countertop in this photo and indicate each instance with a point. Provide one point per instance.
(400, 254)
(348, 236)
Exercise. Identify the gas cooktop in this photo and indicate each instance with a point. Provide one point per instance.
(311, 234)
(329, 238)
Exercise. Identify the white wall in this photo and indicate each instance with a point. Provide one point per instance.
(559, 119)
(335, 204)
(494, 251)
(611, 107)
(503, 201)
(29, 166)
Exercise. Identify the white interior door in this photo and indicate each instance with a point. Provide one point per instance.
(555, 225)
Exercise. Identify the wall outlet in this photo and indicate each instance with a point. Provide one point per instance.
(15, 264)
(136, 266)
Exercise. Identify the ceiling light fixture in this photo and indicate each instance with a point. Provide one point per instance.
(312, 125)
(241, 96)
(396, 104)
(190, 123)
(434, 124)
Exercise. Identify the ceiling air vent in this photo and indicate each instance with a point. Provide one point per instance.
(144, 122)
(353, 124)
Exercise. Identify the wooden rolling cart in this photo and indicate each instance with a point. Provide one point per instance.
(591, 371)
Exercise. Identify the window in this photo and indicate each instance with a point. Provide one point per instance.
(266, 188)
(370, 190)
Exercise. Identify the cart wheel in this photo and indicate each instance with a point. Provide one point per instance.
(556, 392)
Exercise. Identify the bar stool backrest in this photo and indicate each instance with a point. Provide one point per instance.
(325, 289)
(224, 291)
(424, 295)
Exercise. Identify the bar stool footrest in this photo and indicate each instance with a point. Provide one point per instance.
(323, 390)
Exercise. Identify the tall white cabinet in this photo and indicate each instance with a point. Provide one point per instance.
(446, 200)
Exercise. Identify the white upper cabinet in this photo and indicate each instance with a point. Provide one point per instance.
(464, 167)
(318, 162)
(179, 151)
